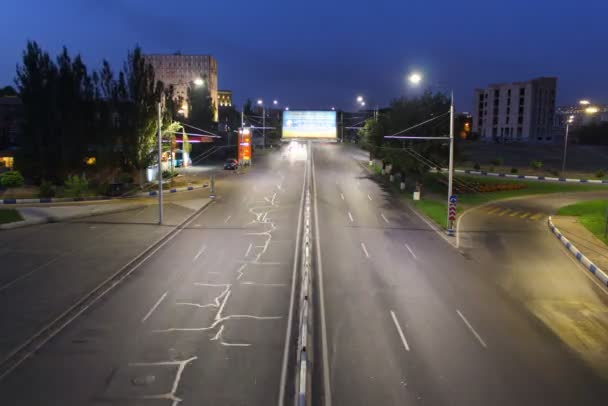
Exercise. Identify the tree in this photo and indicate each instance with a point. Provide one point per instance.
(7, 91)
(202, 108)
(142, 93)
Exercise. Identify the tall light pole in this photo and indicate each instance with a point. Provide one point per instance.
(570, 120)
(261, 103)
(415, 79)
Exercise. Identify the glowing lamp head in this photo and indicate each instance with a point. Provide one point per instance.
(415, 78)
(359, 99)
(584, 102)
(199, 82)
(260, 102)
(591, 110)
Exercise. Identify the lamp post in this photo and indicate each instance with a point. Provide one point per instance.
(261, 103)
(570, 120)
(415, 79)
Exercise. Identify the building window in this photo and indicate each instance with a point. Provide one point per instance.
(519, 132)
(522, 91)
(507, 120)
(520, 120)
(496, 93)
(521, 111)
(494, 132)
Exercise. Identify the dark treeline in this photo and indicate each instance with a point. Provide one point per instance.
(71, 113)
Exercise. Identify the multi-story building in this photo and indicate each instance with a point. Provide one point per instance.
(10, 114)
(224, 98)
(516, 112)
(182, 70)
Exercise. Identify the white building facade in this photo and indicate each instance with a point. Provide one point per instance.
(516, 112)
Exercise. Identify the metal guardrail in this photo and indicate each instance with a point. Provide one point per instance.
(305, 319)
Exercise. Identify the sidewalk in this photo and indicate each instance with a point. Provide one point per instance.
(40, 215)
(583, 239)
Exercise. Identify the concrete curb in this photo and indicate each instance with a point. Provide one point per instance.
(528, 177)
(57, 219)
(98, 198)
(591, 267)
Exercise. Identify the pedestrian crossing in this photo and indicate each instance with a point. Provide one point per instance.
(506, 212)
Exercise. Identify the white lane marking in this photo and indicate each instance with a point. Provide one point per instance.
(264, 284)
(369, 197)
(249, 249)
(364, 250)
(472, 329)
(350, 216)
(342, 196)
(383, 217)
(227, 219)
(199, 253)
(324, 347)
(158, 302)
(400, 331)
(296, 261)
(410, 250)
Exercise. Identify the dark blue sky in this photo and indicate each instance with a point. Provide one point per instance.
(316, 54)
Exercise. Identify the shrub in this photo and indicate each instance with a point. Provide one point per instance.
(167, 174)
(76, 186)
(496, 161)
(47, 189)
(491, 169)
(553, 172)
(477, 166)
(599, 174)
(11, 179)
(536, 164)
(514, 170)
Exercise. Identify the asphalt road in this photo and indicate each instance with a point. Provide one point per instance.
(202, 320)
(401, 316)
(535, 269)
(411, 320)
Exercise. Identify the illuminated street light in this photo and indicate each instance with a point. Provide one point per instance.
(260, 102)
(415, 78)
(287, 108)
(275, 102)
(362, 103)
(571, 119)
(584, 102)
(359, 99)
(199, 82)
(591, 110)
(333, 109)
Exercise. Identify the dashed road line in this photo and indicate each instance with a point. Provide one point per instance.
(342, 196)
(494, 210)
(350, 216)
(200, 252)
(227, 219)
(477, 336)
(523, 216)
(410, 250)
(400, 331)
(502, 213)
(384, 218)
(536, 216)
(364, 248)
(515, 213)
(158, 302)
(369, 197)
(249, 249)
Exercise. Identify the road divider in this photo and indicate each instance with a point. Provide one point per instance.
(586, 262)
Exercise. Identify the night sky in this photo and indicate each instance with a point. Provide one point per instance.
(318, 54)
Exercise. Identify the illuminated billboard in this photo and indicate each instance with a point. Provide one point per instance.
(309, 124)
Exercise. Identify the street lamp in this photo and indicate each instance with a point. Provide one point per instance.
(275, 102)
(359, 99)
(584, 102)
(261, 103)
(568, 122)
(199, 82)
(591, 110)
(415, 79)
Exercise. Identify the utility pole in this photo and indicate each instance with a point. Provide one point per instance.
(263, 126)
(450, 223)
(160, 172)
